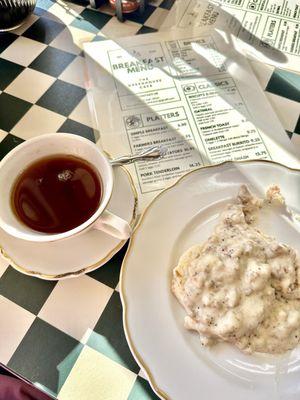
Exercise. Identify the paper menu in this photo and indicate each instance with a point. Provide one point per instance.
(266, 30)
(178, 89)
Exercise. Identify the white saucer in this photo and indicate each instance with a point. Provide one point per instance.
(74, 256)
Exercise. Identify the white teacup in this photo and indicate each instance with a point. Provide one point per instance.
(14, 163)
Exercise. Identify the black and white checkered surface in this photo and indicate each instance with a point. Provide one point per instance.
(67, 337)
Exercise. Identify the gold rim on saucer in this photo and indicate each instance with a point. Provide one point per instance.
(137, 355)
(89, 268)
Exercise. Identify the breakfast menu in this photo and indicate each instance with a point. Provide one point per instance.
(186, 92)
(266, 30)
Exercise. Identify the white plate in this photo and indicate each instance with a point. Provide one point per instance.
(181, 216)
(77, 255)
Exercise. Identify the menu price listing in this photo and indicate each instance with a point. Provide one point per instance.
(169, 128)
(190, 99)
(270, 26)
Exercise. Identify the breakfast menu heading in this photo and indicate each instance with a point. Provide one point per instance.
(185, 91)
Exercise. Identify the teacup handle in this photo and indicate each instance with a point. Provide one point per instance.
(113, 225)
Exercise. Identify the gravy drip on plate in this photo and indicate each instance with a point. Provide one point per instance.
(241, 286)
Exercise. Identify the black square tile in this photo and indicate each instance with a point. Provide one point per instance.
(12, 110)
(97, 3)
(297, 128)
(96, 18)
(146, 29)
(110, 272)
(61, 97)
(8, 72)
(141, 18)
(42, 7)
(142, 390)
(91, 20)
(285, 84)
(28, 292)
(167, 4)
(44, 30)
(70, 126)
(80, 2)
(52, 61)
(110, 326)
(6, 39)
(8, 143)
(39, 11)
(45, 355)
(290, 134)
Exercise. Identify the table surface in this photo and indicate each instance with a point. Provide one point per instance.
(67, 337)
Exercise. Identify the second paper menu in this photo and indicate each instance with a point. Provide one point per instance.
(264, 30)
(182, 91)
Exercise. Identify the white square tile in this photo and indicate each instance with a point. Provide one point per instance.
(296, 141)
(72, 6)
(3, 265)
(2, 134)
(80, 36)
(64, 41)
(86, 337)
(75, 305)
(23, 51)
(30, 85)
(65, 13)
(286, 110)
(75, 72)
(82, 113)
(15, 322)
(29, 21)
(143, 374)
(37, 121)
(157, 18)
(114, 29)
(95, 376)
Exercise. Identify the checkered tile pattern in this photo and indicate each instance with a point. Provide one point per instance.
(42, 68)
(67, 337)
(282, 89)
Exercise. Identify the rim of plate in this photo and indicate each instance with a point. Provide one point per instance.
(89, 268)
(135, 352)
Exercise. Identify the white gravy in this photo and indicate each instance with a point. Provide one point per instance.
(241, 286)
